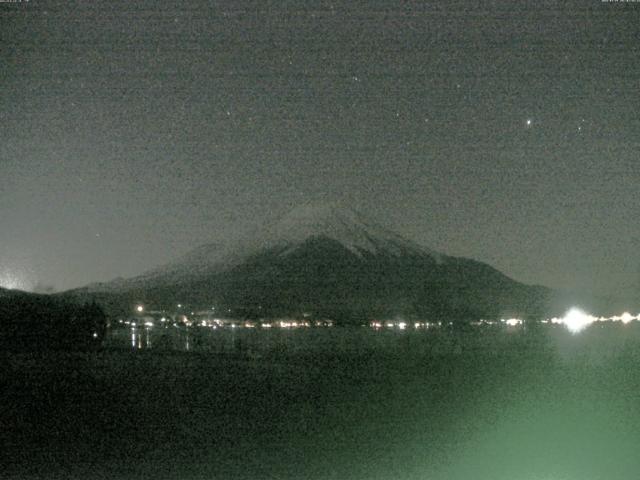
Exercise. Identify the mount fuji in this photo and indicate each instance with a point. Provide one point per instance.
(326, 261)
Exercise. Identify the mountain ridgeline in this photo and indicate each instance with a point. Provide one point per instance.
(327, 262)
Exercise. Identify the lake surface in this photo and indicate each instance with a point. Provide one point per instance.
(329, 403)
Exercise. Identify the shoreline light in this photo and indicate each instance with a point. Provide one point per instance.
(513, 322)
(576, 320)
(626, 317)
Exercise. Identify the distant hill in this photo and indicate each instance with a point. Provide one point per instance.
(38, 322)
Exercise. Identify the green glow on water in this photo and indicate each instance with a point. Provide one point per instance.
(442, 406)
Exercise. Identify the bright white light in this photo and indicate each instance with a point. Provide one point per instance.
(529, 122)
(15, 279)
(576, 320)
(140, 308)
(402, 325)
(512, 322)
(626, 317)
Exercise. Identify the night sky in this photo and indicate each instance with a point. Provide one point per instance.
(133, 131)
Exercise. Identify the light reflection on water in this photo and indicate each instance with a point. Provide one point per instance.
(140, 338)
(158, 338)
(231, 340)
(251, 342)
(196, 339)
(595, 344)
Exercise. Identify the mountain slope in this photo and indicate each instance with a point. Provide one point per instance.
(328, 261)
(347, 227)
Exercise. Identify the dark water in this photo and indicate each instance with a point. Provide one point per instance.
(329, 404)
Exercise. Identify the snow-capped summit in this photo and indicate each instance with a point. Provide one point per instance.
(329, 220)
(352, 230)
(344, 225)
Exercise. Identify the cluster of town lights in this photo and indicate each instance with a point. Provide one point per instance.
(575, 320)
(203, 319)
